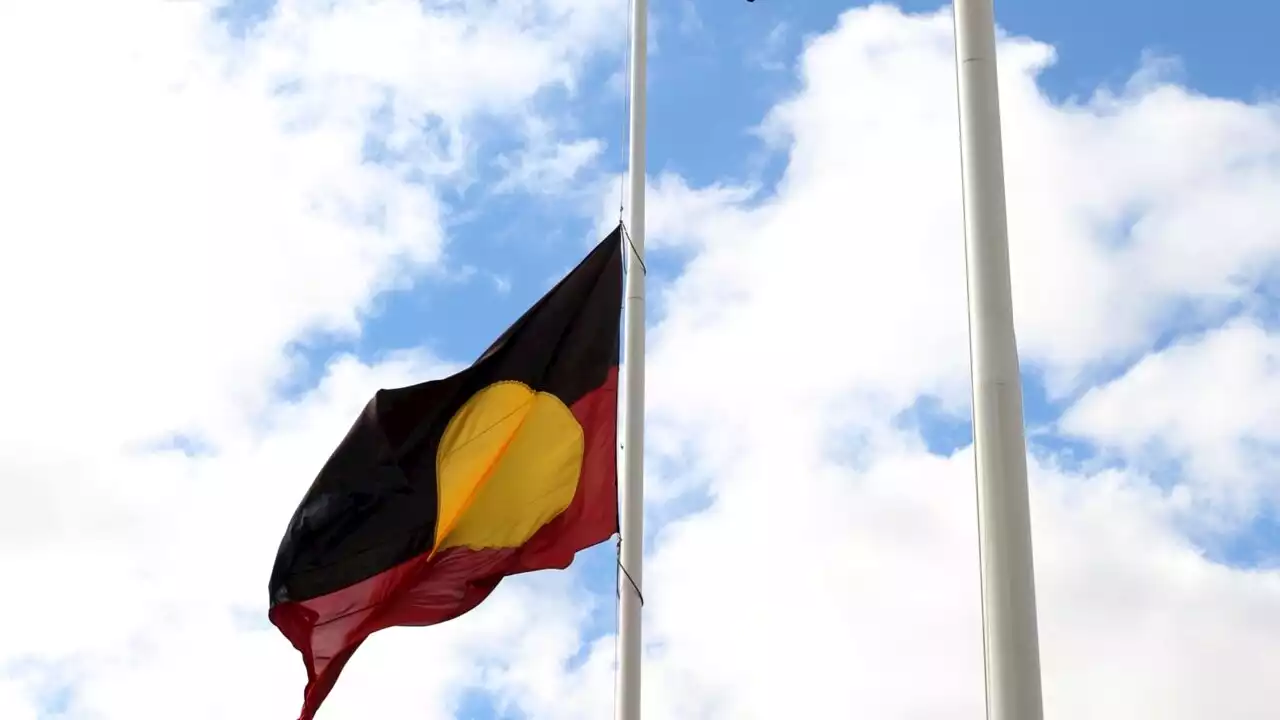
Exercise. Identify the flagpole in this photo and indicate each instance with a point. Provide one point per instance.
(1010, 641)
(631, 478)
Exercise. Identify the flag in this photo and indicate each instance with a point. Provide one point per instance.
(439, 490)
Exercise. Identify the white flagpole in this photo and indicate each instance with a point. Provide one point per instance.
(1004, 526)
(631, 479)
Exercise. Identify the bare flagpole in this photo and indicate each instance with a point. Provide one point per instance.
(631, 478)
(1010, 638)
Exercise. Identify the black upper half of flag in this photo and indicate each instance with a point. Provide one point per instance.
(374, 504)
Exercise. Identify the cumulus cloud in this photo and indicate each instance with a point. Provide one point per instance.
(833, 571)
(1205, 406)
(189, 198)
(829, 568)
(678, 216)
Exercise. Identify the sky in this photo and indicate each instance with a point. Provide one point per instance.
(226, 223)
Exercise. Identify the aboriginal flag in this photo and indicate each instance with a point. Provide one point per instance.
(441, 489)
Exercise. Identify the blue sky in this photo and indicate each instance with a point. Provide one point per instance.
(253, 263)
(715, 77)
(709, 90)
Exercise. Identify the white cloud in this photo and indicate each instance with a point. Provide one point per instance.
(176, 220)
(182, 205)
(832, 572)
(677, 215)
(168, 183)
(547, 167)
(770, 55)
(16, 702)
(1209, 404)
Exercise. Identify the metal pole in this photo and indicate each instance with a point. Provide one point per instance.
(631, 478)
(1004, 526)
